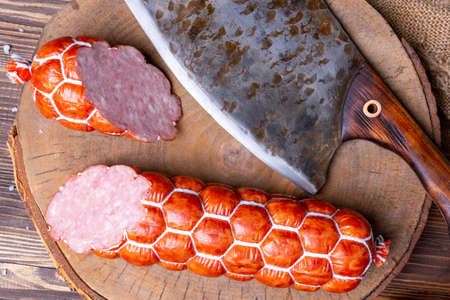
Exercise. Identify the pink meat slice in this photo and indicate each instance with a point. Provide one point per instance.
(95, 207)
(131, 94)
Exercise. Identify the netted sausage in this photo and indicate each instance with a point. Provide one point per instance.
(246, 233)
(86, 87)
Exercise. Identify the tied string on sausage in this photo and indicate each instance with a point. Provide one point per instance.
(246, 233)
(60, 92)
(54, 78)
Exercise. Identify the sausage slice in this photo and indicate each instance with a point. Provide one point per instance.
(95, 207)
(131, 94)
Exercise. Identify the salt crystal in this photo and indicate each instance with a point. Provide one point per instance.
(27, 228)
(20, 29)
(14, 109)
(4, 272)
(16, 57)
(6, 49)
(40, 131)
(61, 188)
(11, 188)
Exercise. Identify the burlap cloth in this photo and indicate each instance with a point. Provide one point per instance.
(425, 24)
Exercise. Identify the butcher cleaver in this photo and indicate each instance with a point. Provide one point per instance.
(285, 80)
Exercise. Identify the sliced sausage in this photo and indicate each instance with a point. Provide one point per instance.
(118, 94)
(95, 207)
(130, 93)
(215, 230)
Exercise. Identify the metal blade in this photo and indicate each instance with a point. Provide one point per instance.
(273, 74)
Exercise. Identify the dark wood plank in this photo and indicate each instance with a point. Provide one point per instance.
(427, 273)
(22, 254)
(26, 270)
(21, 24)
(15, 276)
(36, 294)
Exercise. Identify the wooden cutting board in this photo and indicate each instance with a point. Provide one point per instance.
(362, 176)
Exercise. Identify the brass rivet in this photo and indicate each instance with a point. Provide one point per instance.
(372, 108)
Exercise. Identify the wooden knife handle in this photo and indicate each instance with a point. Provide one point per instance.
(372, 112)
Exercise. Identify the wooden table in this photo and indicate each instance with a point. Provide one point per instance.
(26, 270)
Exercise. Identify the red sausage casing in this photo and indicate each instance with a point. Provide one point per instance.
(246, 233)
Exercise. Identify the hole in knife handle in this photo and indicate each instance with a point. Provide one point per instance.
(372, 108)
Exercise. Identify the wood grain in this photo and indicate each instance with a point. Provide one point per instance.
(15, 276)
(394, 129)
(360, 175)
(427, 276)
(36, 216)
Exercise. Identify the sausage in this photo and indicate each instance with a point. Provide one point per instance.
(145, 111)
(95, 207)
(245, 233)
(129, 92)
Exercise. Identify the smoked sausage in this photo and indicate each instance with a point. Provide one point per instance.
(87, 85)
(214, 229)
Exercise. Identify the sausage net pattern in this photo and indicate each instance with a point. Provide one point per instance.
(58, 91)
(41, 59)
(275, 239)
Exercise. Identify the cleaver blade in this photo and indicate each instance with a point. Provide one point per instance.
(273, 76)
(285, 79)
